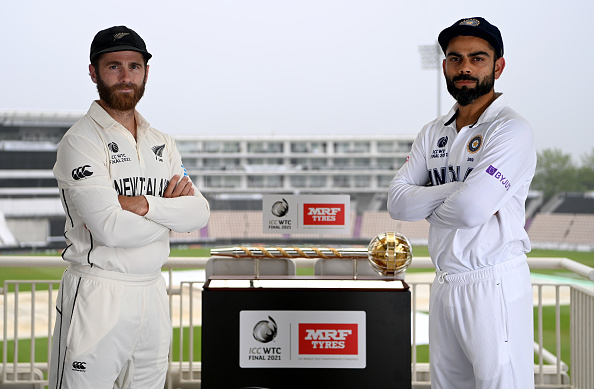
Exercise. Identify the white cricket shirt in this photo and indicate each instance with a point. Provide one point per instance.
(478, 183)
(98, 159)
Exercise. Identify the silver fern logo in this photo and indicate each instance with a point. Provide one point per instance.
(158, 150)
(120, 35)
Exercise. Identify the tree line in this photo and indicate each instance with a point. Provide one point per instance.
(557, 172)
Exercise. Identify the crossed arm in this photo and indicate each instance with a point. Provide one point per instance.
(140, 206)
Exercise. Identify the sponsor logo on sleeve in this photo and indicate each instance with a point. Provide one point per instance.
(328, 339)
(79, 366)
(492, 171)
(81, 172)
(323, 214)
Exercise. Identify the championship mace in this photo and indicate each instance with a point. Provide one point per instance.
(389, 253)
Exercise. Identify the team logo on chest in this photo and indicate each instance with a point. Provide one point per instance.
(475, 144)
(440, 152)
(158, 150)
(115, 156)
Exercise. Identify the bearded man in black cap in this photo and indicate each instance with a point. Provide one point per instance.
(481, 159)
(124, 188)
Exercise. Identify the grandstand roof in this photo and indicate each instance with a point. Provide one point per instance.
(39, 118)
(574, 202)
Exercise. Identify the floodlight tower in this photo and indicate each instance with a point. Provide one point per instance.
(431, 58)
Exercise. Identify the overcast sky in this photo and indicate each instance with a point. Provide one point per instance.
(303, 67)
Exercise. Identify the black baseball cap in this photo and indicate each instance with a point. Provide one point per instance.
(477, 27)
(118, 38)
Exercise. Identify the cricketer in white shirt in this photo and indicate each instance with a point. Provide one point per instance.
(112, 323)
(471, 186)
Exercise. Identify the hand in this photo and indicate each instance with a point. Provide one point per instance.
(178, 188)
(134, 204)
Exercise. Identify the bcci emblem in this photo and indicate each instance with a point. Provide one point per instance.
(265, 330)
(475, 144)
(280, 208)
(470, 22)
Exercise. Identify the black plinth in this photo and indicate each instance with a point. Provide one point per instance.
(383, 304)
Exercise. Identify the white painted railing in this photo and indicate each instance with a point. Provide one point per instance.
(29, 315)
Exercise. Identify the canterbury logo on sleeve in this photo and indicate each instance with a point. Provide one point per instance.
(81, 172)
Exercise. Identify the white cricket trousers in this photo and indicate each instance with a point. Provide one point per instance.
(481, 329)
(112, 331)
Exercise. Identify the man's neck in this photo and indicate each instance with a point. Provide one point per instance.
(469, 114)
(125, 118)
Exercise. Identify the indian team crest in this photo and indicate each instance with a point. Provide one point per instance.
(470, 22)
(475, 144)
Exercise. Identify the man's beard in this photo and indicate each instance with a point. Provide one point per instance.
(117, 100)
(465, 95)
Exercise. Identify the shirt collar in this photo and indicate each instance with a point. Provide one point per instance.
(102, 118)
(488, 116)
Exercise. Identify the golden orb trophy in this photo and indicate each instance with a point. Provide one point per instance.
(389, 253)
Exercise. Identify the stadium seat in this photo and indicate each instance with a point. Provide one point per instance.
(224, 266)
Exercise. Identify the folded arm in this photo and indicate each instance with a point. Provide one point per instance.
(507, 165)
(409, 197)
(90, 194)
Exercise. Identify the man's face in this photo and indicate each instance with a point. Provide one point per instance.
(121, 78)
(470, 68)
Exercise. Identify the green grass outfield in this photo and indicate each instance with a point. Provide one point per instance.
(586, 258)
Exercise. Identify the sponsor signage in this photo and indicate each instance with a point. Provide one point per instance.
(323, 214)
(291, 214)
(312, 339)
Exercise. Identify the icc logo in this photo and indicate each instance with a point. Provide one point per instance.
(265, 330)
(280, 208)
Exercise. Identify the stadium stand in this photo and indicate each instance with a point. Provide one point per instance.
(570, 202)
(235, 225)
(375, 222)
(562, 231)
(225, 225)
(566, 221)
(576, 203)
(581, 230)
